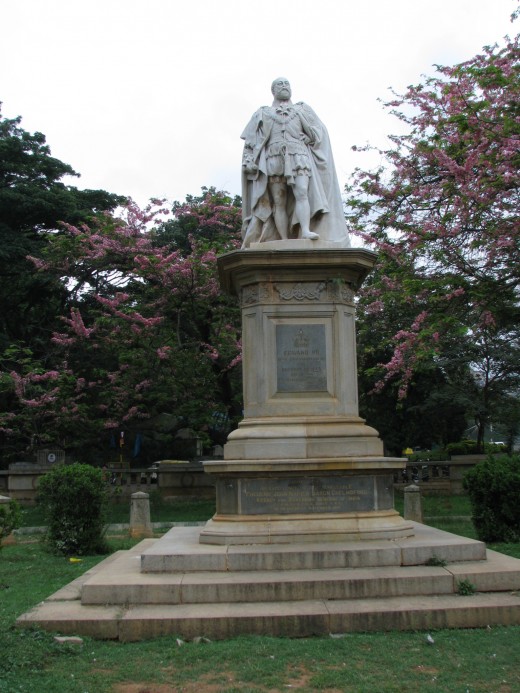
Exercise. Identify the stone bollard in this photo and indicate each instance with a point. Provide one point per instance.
(10, 538)
(140, 525)
(412, 503)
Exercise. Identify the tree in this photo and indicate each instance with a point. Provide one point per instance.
(433, 412)
(146, 334)
(33, 201)
(443, 216)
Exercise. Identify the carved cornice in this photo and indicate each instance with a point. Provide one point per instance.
(301, 291)
(241, 268)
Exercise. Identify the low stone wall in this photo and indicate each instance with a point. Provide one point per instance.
(182, 479)
(445, 476)
(189, 479)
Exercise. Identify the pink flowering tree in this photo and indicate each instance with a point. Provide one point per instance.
(146, 334)
(443, 214)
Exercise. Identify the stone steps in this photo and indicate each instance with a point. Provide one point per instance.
(296, 619)
(327, 588)
(179, 551)
(125, 584)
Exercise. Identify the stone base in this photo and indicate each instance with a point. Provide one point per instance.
(304, 500)
(306, 438)
(175, 585)
(268, 529)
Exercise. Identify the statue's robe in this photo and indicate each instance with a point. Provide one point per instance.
(326, 205)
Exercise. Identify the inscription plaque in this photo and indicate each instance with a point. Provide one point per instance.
(301, 358)
(314, 495)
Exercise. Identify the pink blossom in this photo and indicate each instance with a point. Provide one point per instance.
(163, 352)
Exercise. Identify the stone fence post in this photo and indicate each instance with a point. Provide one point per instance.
(412, 503)
(140, 524)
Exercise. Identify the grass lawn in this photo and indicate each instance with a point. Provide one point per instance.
(201, 509)
(439, 505)
(30, 661)
(177, 510)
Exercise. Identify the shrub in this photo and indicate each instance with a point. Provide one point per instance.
(494, 488)
(10, 518)
(74, 502)
(493, 448)
(462, 447)
(456, 448)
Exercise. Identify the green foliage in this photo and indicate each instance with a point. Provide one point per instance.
(429, 456)
(10, 518)
(74, 499)
(465, 588)
(33, 202)
(462, 447)
(436, 561)
(149, 342)
(439, 317)
(494, 488)
(470, 447)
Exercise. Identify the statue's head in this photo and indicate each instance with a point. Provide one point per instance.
(281, 89)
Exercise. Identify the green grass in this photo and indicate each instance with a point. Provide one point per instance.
(459, 660)
(200, 509)
(177, 510)
(473, 660)
(438, 505)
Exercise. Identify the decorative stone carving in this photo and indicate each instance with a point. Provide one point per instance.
(255, 293)
(340, 292)
(302, 291)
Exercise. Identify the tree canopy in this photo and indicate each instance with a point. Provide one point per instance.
(443, 214)
(147, 344)
(34, 200)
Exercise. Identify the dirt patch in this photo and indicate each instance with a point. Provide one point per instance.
(206, 684)
(297, 677)
(426, 670)
(144, 688)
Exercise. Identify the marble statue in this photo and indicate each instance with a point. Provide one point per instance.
(289, 184)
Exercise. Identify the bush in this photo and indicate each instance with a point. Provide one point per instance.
(494, 448)
(456, 449)
(494, 488)
(462, 447)
(10, 518)
(74, 502)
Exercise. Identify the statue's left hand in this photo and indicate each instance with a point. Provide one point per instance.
(249, 167)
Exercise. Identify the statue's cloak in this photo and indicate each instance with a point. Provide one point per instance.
(326, 205)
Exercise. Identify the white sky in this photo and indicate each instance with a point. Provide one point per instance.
(148, 98)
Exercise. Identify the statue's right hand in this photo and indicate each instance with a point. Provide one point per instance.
(250, 167)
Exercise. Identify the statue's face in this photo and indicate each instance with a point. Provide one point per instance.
(281, 89)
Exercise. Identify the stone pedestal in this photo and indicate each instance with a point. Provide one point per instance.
(302, 465)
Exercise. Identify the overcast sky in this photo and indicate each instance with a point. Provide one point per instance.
(148, 98)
